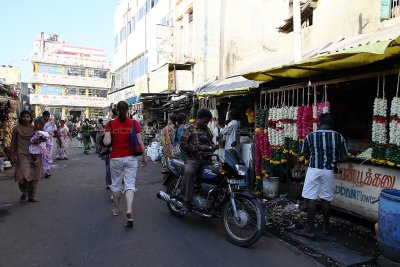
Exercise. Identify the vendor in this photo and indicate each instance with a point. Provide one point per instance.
(231, 132)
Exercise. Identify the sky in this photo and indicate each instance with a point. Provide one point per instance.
(87, 23)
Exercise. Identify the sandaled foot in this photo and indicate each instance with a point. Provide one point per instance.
(33, 199)
(129, 220)
(47, 175)
(115, 212)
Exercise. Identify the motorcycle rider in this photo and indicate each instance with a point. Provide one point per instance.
(191, 145)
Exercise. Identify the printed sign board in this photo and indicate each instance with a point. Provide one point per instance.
(357, 186)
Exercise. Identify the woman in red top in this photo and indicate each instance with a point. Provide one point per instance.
(122, 162)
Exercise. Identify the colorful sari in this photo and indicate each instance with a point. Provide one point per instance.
(49, 127)
(62, 149)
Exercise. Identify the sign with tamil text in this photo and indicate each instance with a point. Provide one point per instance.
(358, 186)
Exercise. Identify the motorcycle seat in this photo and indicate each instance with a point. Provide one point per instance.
(177, 164)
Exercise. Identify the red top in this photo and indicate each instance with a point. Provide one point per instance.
(120, 137)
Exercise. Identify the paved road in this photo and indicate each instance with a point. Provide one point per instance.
(72, 225)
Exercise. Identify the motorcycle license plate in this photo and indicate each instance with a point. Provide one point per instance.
(236, 181)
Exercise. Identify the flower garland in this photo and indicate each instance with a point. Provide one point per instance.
(379, 131)
(393, 157)
(276, 136)
(304, 124)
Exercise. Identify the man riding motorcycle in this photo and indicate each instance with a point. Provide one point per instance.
(190, 144)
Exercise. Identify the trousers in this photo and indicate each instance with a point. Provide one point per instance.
(189, 177)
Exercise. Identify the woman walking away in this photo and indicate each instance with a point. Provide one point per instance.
(65, 137)
(51, 128)
(27, 173)
(123, 163)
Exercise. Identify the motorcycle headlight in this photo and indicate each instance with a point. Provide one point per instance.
(241, 169)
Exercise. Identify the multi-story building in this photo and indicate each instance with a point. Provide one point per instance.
(10, 75)
(70, 81)
(143, 59)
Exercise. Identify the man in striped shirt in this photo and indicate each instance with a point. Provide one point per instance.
(324, 148)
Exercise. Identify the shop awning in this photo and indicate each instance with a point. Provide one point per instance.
(349, 52)
(228, 86)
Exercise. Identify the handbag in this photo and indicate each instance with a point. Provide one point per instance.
(134, 141)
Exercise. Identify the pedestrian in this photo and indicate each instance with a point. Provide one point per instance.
(79, 135)
(231, 131)
(181, 124)
(26, 173)
(123, 163)
(86, 130)
(51, 128)
(167, 140)
(38, 141)
(65, 137)
(99, 133)
(324, 148)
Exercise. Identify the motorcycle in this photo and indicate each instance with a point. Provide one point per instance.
(217, 193)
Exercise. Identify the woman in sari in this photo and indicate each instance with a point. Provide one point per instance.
(27, 172)
(51, 128)
(65, 137)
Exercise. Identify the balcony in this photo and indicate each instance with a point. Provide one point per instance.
(69, 61)
(45, 78)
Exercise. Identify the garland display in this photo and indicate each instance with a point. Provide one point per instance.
(379, 132)
(393, 157)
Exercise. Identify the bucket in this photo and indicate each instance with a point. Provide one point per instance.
(389, 226)
(271, 187)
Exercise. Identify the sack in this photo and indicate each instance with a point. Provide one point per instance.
(134, 141)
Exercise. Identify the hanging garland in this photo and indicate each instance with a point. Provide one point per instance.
(379, 131)
(393, 156)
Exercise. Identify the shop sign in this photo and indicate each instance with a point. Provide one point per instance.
(46, 78)
(75, 101)
(120, 95)
(357, 187)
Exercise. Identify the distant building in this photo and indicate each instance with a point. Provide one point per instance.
(10, 75)
(69, 81)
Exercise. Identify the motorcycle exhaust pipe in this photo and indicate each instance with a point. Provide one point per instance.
(167, 198)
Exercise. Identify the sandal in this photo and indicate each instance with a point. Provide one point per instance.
(129, 220)
(33, 199)
(115, 212)
(23, 197)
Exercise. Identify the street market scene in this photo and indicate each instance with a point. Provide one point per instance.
(198, 133)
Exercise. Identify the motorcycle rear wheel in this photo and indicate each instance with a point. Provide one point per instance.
(251, 224)
(171, 190)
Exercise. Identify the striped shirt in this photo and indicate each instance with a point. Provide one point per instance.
(324, 148)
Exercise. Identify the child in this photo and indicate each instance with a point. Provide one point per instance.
(38, 141)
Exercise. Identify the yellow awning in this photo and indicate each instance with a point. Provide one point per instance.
(355, 52)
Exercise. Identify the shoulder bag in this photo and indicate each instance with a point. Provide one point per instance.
(134, 141)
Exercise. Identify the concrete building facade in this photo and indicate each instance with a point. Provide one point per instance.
(10, 75)
(70, 81)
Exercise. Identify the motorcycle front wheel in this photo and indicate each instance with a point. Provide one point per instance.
(173, 191)
(247, 229)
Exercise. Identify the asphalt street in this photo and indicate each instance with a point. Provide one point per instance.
(72, 225)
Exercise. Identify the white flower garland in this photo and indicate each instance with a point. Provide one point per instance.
(394, 126)
(378, 127)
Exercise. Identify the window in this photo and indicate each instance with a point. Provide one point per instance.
(390, 9)
(122, 35)
(133, 24)
(129, 27)
(98, 73)
(97, 92)
(75, 91)
(116, 43)
(73, 71)
(49, 90)
(50, 69)
(150, 5)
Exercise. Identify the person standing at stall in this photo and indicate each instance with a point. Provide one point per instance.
(28, 171)
(231, 131)
(167, 140)
(324, 148)
(51, 128)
